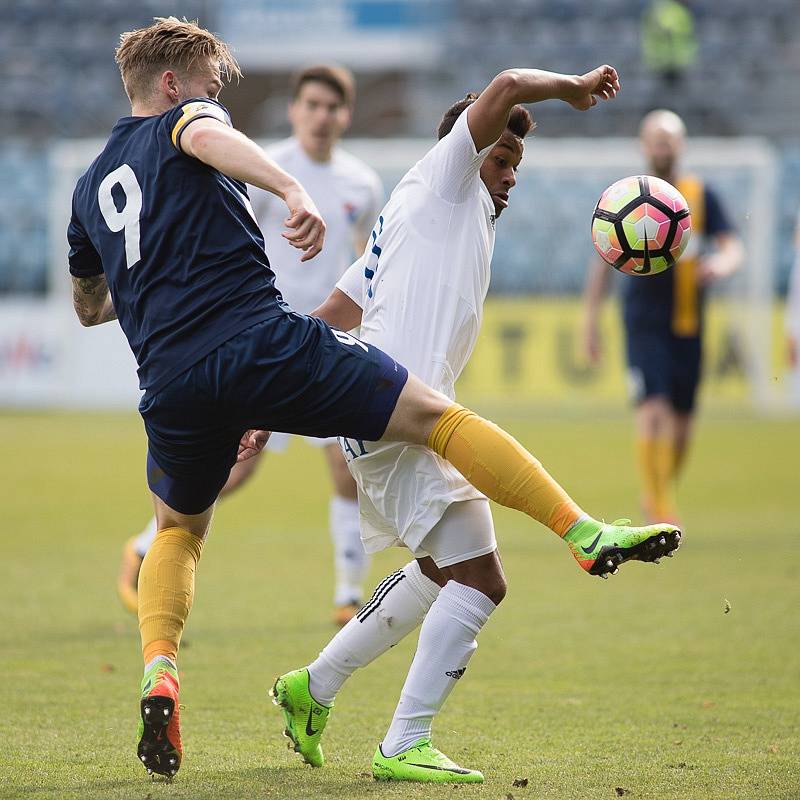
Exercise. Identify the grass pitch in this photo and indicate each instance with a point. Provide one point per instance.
(640, 687)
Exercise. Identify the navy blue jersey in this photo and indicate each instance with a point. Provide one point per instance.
(672, 301)
(181, 251)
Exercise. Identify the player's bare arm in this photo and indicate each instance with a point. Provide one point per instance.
(726, 258)
(598, 279)
(339, 311)
(489, 115)
(92, 300)
(235, 155)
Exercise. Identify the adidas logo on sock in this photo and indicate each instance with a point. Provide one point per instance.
(456, 673)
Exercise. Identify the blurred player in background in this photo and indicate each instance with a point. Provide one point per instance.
(418, 292)
(349, 195)
(663, 319)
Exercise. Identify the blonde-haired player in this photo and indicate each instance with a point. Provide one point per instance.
(348, 194)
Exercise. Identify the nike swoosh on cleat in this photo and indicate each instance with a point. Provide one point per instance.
(457, 770)
(593, 544)
(309, 730)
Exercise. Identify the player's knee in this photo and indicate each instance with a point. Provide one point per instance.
(496, 588)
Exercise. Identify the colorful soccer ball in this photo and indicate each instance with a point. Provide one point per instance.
(641, 225)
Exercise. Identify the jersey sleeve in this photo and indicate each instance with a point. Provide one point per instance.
(84, 260)
(352, 283)
(183, 115)
(452, 166)
(717, 219)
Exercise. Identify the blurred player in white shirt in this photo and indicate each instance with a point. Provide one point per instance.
(349, 195)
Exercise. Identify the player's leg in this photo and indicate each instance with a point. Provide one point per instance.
(463, 546)
(191, 449)
(655, 455)
(500, 467)
(684, 426)
(136, 548)
(687, 367)
(166, 593)
(350, 560)
(651, 377)
(396, 608)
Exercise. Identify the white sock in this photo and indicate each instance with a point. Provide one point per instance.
(446, 644)
(350, 561)
(396, 608)
(143, 541)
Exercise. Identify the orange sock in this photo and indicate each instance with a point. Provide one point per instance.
(495, 463)
(166, 591)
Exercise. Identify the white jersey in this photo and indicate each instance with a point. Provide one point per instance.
(421, 283)
(348, 195)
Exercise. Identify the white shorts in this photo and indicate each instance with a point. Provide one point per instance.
(279, 442)
(403, 491)
(465, 531)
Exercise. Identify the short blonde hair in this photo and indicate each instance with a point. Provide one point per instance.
(169, 43)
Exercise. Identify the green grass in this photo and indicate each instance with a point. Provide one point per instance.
(580, 686)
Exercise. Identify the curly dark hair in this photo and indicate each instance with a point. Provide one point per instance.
(520, 122)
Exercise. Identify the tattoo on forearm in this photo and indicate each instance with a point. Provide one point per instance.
(91, 300)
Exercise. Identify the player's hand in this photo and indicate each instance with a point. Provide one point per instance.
(712, 268)
(251, 444)
(307, 228)
(585, 90)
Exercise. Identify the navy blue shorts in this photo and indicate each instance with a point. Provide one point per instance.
(290, 373)
(662, 364)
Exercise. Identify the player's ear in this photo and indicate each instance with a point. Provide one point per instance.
(169, 85)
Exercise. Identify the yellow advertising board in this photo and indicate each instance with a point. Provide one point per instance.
(530, 353)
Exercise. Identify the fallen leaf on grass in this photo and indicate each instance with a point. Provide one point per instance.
(727, 606)
(107, 668)
(773, 748)
(523, 782)
(620, 791)
(708, 704)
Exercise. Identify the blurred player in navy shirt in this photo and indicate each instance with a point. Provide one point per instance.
(663, 319)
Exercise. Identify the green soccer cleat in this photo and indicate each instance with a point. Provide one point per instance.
(600, 548)
(160, 749)
(422, 763)
(305, 718)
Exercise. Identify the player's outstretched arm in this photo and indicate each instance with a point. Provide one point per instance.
(339, 311)
(92, 300)
(233, 154)
(489, 115)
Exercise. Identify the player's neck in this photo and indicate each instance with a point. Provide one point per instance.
(150, 109)
(317, 156)
(670, 176)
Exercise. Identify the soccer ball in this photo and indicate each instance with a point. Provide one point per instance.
(641, 225)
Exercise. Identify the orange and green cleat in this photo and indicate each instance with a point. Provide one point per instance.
(600, 548)
(343, 614)
(128, 580)
(160, 748)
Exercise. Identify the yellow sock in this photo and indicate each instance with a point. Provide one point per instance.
(166, 591)
(656, 458)
(499, 466)
(665, 468)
